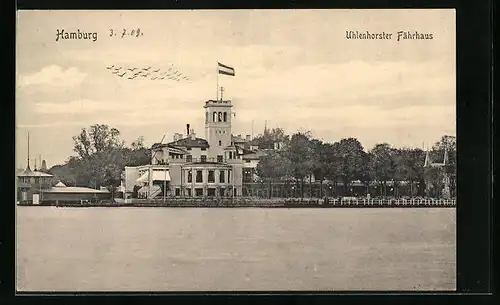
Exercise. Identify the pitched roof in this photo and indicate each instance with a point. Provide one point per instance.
(29, 173)
(60, 184)
(189, 142)
(253, 155)
(75, 189)
(237, 139)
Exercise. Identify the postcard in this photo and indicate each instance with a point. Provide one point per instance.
(235, 150)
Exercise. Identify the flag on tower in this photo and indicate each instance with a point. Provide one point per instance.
(226, 70)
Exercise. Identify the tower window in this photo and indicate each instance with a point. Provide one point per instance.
(225, 116)
(220, 143)
(214, 116)
(207, 115)
(190, 177)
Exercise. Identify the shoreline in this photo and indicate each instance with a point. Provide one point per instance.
(243, 205)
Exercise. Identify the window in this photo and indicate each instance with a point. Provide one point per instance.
(189, 158)
(203, 149)
(221, 177)
(190, 177)
(206, 117)
(222, 192)
(220, 159)
(199, 192)
(177, 191)
(211, 176)
(188, 192)
(199, 176)
(247, 175)
(220, 143)
(211, 192)
(189, 148)
(247, 160)
(203, 158)
(228, 176)
(220, 116)
(214, 117)
(225, 116)
(230, 155)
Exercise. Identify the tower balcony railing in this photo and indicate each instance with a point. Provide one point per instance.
(207, 160)
(197, 160)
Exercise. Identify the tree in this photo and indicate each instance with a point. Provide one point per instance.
(102, 155)
(299, 152)
(97, 138)
(269, 137)
(399, 168)
(138, 144)
(413, 168)
(332, 172)
(366, 176)
(273, 166)
(381, 165)
(352, 156)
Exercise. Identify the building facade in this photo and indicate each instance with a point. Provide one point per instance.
(32, 182)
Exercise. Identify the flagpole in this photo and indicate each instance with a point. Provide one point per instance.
(217, 91)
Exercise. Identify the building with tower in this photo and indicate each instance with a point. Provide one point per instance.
(190, 166)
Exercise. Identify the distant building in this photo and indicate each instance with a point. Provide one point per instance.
(61, 193)
(32, 182)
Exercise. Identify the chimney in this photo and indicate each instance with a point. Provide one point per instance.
(248, 139)
(187, 128)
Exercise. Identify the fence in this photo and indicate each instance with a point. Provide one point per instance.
(292, 202)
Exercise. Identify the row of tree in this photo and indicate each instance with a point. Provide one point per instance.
(303, 157)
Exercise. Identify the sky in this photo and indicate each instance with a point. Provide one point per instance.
(295, 70)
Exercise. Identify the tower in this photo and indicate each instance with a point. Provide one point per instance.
(445, 157)
(427, 160)
(218, 125)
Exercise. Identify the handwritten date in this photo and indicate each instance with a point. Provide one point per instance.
(126, 33)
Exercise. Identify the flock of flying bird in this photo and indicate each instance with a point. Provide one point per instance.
(148, 72)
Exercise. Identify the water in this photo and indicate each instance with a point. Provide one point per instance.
(189, 249)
